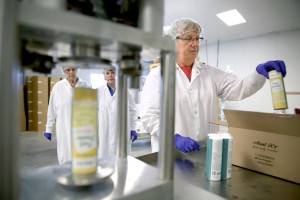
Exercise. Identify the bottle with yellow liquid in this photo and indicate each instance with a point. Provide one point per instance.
(277, 90)
(84, 132)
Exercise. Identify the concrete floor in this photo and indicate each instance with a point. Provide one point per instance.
(36, 151)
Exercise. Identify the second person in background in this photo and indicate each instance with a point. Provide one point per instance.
(107, 115)
(60, 109)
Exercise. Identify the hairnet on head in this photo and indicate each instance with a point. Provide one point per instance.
(182, 26)
(109, 68)
(66, 66)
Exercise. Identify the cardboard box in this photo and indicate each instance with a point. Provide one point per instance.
(37, 102)
(220, 126)
(22, 111)
(154, 65)
(266, 142)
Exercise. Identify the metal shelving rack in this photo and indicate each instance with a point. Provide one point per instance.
(133, 179)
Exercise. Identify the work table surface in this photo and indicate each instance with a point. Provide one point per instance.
(190, 182)
(244, 184)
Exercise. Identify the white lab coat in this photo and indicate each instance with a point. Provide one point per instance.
(59, 116)
(107, 116)
(195, 104)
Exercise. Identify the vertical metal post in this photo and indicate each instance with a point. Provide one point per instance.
(122, 83)
(167, 102)
(151, 15)
(9, 102)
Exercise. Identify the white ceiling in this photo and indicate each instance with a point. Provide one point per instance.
(262, 16)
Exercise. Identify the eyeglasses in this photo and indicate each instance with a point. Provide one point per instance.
(190, 39)
(70, 69)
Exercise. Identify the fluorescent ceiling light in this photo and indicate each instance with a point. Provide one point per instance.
(231, 17)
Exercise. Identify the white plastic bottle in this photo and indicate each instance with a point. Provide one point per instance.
(84, 132)
(214, 157)
(277, 90)
(226, 156)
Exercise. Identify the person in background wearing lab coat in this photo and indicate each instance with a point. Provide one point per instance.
(107, 115)
(197, 88)
(59, 111)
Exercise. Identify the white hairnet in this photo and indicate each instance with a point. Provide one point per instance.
(68, 65)
(109, 68)
(182, 26)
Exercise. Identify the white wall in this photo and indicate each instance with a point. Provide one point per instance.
(244, 55)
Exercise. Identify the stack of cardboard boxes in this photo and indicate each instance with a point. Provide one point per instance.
(37, 93)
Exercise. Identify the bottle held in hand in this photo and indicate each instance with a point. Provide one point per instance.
(277, 90)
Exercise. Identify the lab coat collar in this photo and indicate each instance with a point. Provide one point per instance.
(111, 91)
(195, 70)
(197, 65)
(106, 88)
(67, 82)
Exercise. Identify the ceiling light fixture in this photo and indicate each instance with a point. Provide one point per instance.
(231, 17)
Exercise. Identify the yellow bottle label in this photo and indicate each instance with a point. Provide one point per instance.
(277, 90)
(84, 131)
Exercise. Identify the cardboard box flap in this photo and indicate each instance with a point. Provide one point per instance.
(268, 122)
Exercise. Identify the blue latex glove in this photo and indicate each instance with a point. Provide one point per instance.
(186, 144)
(277, 65)
(133, 136)
(48, 136)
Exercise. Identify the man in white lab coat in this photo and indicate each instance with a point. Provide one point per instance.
(107, 115)
(59, 111)
(197, 88)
